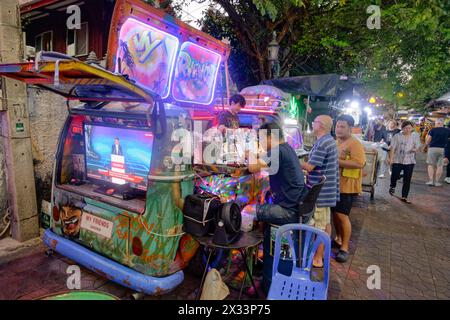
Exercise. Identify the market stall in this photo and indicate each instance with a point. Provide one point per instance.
(120, 178)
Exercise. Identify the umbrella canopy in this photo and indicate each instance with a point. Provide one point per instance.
(445, 97)
(265, 90)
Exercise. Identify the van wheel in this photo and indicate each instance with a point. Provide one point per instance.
(49, 252)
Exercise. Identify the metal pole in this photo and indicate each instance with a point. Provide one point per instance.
(221, 86)
(306, 112)
(227, 80)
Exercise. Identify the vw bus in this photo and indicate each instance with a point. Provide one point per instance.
(117, 194)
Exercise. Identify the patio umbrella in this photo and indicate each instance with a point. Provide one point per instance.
(265, 90)
(445, 97)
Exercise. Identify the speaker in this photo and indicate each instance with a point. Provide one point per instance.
(228, 222)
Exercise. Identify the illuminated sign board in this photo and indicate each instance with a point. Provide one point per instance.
(195, 75)
(155, 60)
(147, 55)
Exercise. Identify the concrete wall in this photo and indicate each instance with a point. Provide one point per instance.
(47, 115)
(48, 112)
(3, 187)
(15, 134)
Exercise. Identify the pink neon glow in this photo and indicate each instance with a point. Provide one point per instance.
(195, 76)
(147, 55)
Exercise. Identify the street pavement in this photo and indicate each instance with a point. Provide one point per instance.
(408, 243)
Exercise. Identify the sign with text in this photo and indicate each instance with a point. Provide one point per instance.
(97, 225)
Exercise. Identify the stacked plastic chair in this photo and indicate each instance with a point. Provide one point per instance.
(299, 286)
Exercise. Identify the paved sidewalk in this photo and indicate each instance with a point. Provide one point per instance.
(408, 242)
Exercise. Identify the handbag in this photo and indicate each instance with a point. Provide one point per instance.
(350, 173)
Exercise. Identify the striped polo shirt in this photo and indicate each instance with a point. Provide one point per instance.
(324, 156)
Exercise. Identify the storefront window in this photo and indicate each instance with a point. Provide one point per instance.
(78, 41)
(44, 41)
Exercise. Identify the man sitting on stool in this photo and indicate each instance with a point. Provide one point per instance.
(287, 183)
(288, 189)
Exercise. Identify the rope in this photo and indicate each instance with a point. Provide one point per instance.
(158, 234)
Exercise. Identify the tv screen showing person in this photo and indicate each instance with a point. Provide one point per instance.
(116, 148)
(126, 161)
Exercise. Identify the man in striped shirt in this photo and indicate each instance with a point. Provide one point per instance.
(323, 161)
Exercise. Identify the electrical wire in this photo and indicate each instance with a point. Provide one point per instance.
(6, 222)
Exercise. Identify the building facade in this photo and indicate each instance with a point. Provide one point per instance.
(44, 26)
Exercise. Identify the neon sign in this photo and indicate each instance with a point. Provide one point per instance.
(195, 75)
(147, 55)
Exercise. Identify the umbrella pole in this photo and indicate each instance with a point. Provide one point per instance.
(306, 110)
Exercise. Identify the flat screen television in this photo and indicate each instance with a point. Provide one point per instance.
(118, 156)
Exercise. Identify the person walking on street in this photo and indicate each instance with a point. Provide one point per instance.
(376, 132)
(436, 140)
(352, 159)
(402, 156)
(323, 161)
(446, 160)
(392, 130)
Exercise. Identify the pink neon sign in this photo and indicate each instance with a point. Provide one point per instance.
(195, 74)
(147, 55)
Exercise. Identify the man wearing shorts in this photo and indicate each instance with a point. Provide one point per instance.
(323, 161)
(436, 140)
(352, 159)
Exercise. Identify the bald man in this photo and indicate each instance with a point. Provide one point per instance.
(323, 161)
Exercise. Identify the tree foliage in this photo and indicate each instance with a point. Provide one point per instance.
(169, 6)
(252, 23)
(409, 54)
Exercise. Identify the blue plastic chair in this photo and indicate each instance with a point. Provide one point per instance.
(298, 286)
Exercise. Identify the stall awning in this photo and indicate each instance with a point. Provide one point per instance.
(77, 80)
(445, 97)
(32, 10)
(325, 85)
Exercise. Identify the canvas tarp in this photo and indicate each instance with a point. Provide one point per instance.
(325, 85)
